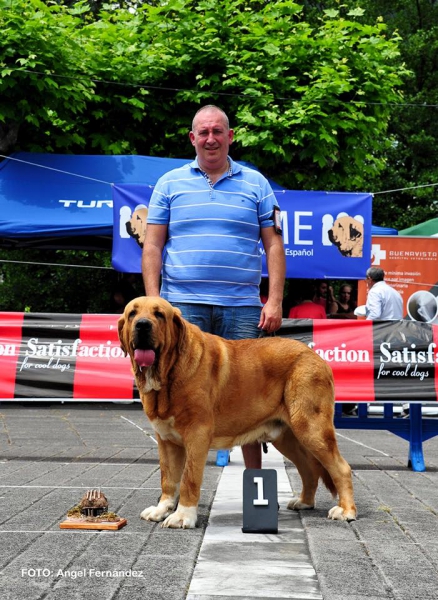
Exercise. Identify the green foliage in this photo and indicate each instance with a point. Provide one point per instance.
(42, 287)
(309, 101)
(43, 91)
(411, 159)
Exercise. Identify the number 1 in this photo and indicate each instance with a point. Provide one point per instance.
(260, 500)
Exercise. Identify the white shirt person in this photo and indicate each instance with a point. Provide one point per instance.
(384, 303)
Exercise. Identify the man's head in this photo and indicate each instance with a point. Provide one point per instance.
(211, 136)
(374, 274)
(321, 288)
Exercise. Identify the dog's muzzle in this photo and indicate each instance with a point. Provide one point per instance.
(144, 352)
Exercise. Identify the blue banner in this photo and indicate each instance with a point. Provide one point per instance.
(326, 234)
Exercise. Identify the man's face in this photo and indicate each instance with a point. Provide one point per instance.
(370, 282)
(323, 289)
(211, 139)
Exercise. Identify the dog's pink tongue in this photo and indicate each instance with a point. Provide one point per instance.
(144, 358)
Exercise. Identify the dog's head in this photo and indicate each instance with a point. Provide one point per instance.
(151, 331)
(136, 226)
(347, 235)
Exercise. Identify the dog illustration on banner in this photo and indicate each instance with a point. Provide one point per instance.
(346, 233)
(136, 225)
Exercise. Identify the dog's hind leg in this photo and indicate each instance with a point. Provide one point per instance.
(172, 458)
(309, 469)
(317, 434)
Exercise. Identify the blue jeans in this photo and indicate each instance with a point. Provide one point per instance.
(230, 322)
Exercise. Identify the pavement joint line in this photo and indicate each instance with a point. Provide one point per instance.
(81, 487)
(361, 444)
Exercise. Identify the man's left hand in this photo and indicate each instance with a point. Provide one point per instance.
(271, 316)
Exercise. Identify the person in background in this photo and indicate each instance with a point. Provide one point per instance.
(383, 301)
(307, 309)
(324, 296)
(345, 305)
(205, 221)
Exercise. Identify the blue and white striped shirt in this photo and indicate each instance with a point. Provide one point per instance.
(211, 255)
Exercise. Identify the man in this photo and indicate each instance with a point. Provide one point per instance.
(324, 296)
(383, 301)
(307, 309)
(204, 223)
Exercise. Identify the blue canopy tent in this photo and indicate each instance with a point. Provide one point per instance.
(53, 201)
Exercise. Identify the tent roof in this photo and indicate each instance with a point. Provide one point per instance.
(58, 200)
(428, 228)
(53, 201)
(65, 201)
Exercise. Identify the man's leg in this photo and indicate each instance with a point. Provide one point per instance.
(238, 323)
(252, 455)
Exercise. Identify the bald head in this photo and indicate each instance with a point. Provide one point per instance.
(211, 108)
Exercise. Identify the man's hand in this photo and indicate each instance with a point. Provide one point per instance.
(271, 316)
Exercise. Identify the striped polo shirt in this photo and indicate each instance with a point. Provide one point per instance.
(212, 255)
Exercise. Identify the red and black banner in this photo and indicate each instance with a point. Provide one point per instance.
(78, 357)
(383, 361)
(68, 357)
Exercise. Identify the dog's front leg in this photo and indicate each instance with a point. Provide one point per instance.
(172, 459)
(197, 448)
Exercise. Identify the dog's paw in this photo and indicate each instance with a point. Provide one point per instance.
(183, 518)
(296, 504)
(157, 513)
(337, 513)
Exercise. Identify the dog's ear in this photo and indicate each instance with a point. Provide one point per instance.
(181, 328)
(120, 326)
(355, 234)
(177, 311)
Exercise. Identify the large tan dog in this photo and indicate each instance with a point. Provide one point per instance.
(200, 391)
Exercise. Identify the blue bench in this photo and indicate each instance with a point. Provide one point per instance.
(415, 428)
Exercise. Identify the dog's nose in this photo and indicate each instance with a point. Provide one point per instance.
(143, 325)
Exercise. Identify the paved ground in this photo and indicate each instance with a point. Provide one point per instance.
(51, 454)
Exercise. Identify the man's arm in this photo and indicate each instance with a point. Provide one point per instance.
(152, 258)
(272, 312)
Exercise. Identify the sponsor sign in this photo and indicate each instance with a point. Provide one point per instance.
(411, 267)
(326, 234)
(74, 357)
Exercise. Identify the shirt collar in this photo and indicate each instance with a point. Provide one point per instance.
(234, 167)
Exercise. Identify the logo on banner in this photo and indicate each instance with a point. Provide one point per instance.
(59, 355)
(377, 254)
(133, 224)
(346, 233)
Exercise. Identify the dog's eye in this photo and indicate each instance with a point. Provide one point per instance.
(132, 314)
(159, 314)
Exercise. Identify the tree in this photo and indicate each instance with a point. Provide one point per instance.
(411, 160)
(310, 102)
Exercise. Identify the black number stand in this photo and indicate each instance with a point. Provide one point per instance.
(260, 501)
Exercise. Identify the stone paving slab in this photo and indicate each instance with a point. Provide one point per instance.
(50, 455)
